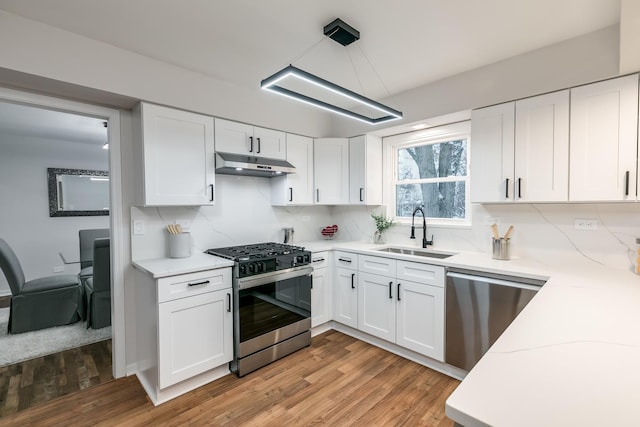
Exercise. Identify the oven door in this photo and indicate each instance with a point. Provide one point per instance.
(272, 308)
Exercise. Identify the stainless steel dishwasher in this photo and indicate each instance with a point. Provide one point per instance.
(479, 307)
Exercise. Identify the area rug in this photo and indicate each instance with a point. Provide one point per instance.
(29, 345)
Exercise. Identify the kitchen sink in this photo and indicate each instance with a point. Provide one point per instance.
(417, 252)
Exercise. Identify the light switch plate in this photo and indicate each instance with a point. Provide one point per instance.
(138, 227)
(585, 224)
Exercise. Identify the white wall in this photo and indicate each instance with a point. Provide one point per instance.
(573, 62)
(25, 224)
(243, 214)
(46, 51)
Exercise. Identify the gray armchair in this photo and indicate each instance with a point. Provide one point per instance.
(97, 288)
(39, 303)
(86, 238)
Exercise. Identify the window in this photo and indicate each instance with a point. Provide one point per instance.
(431, 171)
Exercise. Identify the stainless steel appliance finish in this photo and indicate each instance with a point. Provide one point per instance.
(240, 164)
(272, 302)
(416, 252)
(479, 307)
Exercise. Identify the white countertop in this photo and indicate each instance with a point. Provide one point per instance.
(198, 261)
(571, 358)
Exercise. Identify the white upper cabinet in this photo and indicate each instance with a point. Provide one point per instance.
(520, 150)
(542, 148)
(240, 138)
(295, 188)
(174, 152)
(492, 151)
(365, 170)
(331, 171)
(604, 137)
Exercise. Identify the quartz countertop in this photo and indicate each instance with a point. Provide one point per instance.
(164, 267)
(570, 358)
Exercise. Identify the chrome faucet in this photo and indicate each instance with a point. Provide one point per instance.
(425, 242)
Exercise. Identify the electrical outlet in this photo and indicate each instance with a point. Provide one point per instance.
(138, 226)
(488, 220)
(585, 224)
(185, 224)
(59, 269)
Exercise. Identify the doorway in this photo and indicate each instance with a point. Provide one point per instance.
(112, 118)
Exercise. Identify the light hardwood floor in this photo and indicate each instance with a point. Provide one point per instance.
(337, 381)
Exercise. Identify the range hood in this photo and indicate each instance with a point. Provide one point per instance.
(240, 164)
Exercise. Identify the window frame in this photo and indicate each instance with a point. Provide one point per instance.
(433, 135)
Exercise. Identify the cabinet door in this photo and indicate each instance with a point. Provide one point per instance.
(331, 171)
(194, 335)
(345, 304)
(234, 137)
(269, 143)
(178, 155)
(319, 303)
(377, 306)
(295, 188)
(542, 148)
(604, 136)
(365, 170)
(420, 318)
(492, 151)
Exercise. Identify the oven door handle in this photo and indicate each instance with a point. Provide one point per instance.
(275, 276)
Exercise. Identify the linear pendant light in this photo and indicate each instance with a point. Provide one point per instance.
(270, 83)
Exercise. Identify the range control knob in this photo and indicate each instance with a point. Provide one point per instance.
(252, 268)
(243, 269)
(299, 259)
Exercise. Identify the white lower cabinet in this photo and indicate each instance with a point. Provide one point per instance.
(345, 291)
(320, 290)
(402, 302)
(184, 330)
(189, 343)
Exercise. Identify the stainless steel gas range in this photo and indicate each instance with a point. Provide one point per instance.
(272, 302)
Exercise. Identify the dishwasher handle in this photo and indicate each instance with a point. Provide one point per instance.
(494, 281)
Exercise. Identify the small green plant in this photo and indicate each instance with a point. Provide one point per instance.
(382, 222)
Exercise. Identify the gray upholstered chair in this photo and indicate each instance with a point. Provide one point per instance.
(97, 288)
(39, 303)
(86, 238)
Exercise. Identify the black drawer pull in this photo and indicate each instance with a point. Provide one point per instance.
(353, 277)
(344, 260)
(318, 260)
(200, 283)
(228, 303)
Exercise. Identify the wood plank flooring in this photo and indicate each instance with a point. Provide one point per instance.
(29, 383)
(337, 381)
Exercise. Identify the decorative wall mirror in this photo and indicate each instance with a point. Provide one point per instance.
(77, 192)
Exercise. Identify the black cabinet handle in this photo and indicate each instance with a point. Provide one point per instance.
(228, 302)
(506, 188)
(362, 194)
(212, 193)
(251, 144)
(398, 291)
(519, 188)
(344, 260)
(199, 283)
(291, 194)
(318, 260)
(390, 291)
(353, 278)
(311, 277)
(626, 183)
(258, 145)
(317, 194)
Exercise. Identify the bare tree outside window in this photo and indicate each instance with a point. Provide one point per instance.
(434, 176)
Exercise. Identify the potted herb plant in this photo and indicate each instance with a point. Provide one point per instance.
(382, 223)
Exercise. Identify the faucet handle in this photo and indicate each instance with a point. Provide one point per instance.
(430, 242)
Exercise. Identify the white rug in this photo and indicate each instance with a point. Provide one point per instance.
(29, 345)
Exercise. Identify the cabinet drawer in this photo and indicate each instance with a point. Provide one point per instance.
(377, 265)
(420, 273)
(346, 260)
(185, 285)
(320, 259)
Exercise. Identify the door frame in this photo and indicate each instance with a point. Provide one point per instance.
(116, 216)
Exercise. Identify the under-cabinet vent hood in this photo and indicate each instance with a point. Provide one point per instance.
(240, 164)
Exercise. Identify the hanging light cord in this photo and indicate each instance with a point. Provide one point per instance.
(356, 71)
(311, 47)
(374, 70)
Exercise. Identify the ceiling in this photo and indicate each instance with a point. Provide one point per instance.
(404, 44)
